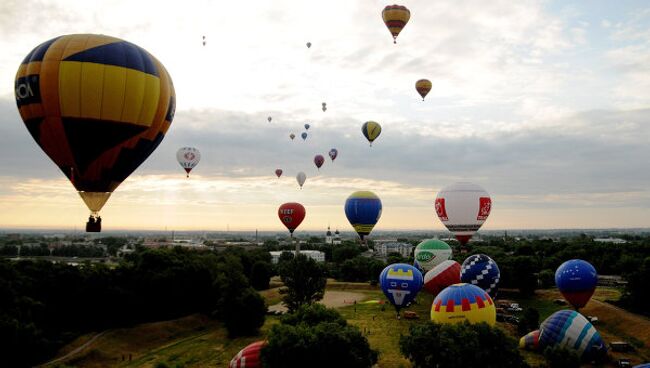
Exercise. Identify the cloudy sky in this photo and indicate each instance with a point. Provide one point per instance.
(543, 103)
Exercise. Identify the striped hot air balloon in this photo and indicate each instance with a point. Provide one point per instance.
(445, 274)
(98, 106)
(371, 130)
(363, 210)
(423, 86)
(248, 357)
(530, 341)
(395, 17)
(572, 330)
(463, 302)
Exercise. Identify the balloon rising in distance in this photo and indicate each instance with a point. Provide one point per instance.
(188, 158)
(319, 160)
(371, 130)
(423, 86)
(291, 214)
(300, 178)
(395, 18)
(363, 210)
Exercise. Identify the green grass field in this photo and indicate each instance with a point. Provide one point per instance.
(197, 341)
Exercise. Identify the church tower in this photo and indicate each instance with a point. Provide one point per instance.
(328, 236)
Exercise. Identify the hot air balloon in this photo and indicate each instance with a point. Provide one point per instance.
(308, 44)
(430, 253)
(530, 341)
(400, 283)
(307, 126)
(203, 40)
(576, 280)
(324, 106)
(571, 330)
(269, 119)
(188, 158)
(304, 135)
(463, 208)
(482, 271)
(291, 214)
(445, 274)
(292, 136)
(318, 161)
(278, 172)
(371, 130)
(248, 357)
(98, 106)
(363, 210)
(333, 153)
(463, 302)
(423, 86)
(301, 177)
(395, 17)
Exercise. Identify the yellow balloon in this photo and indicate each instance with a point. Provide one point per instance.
(463, 302)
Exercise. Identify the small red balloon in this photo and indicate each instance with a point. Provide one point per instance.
(319, 160)
(278, 172)
(291, 214)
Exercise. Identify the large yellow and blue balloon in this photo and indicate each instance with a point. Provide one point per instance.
(363, 210)
(576, 280)
(463, 302)
(482, 271)
(400, 283)
(97, 105)
(371, 130)
(571, 330)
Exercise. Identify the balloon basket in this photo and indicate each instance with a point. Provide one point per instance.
(94, 226)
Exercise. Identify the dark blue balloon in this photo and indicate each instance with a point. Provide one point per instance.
(572, 330)
(482, 271)
(363, 210)
(576, 280)
(400, 283)
(304, 135)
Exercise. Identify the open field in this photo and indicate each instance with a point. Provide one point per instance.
(196, 341)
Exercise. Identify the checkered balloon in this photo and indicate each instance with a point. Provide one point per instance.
(482, 271)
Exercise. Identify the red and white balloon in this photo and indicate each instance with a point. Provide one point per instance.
(463, 208)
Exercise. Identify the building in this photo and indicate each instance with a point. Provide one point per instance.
(316, 255)
(328, 236)
(337, 238)
(610, 240)
(384, 248)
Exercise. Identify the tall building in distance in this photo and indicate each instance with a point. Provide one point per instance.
(337, 238)
(328, 236)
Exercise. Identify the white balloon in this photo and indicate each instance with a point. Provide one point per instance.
(463, 208)
(301, 177)
(188, 158)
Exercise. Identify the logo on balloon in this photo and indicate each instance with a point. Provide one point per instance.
(189, 156)
(485, 205)
(286, 219)
(425, 256)
(27, 90)
(442, 212)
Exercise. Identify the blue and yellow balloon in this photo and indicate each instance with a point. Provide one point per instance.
(363, 210)
(401, 283)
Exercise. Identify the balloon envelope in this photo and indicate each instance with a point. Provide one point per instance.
(530, 341)
(319, 160)
(482, 271)
(576, 280)
(333, 153)
(304, 135)
(291, 214)
(248, 357)
(278, 172)
(269, 119)
(463, 302)
(572, 330)
(300, 178)
(308, 44)
(292, 136)
(371, 130)
(188, 158)
(363, 210)
(445, 274)
(430, 253)
(463, 208)
(395, 17)
(307, 126)
(97, 105)
(423, 86)
(400, 283)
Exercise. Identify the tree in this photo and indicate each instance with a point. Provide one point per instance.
(529, 321)
(546, 278)
(561, 357)
(345, 252)
(261, 275)
(304, 280)
(244, 314)
(315, 336)
(394, 257)
(636, 296)
(460, 345)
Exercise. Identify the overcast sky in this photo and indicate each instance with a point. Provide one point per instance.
(543, 103)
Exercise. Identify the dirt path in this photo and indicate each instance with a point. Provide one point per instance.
(331, 299)
(75, 351)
